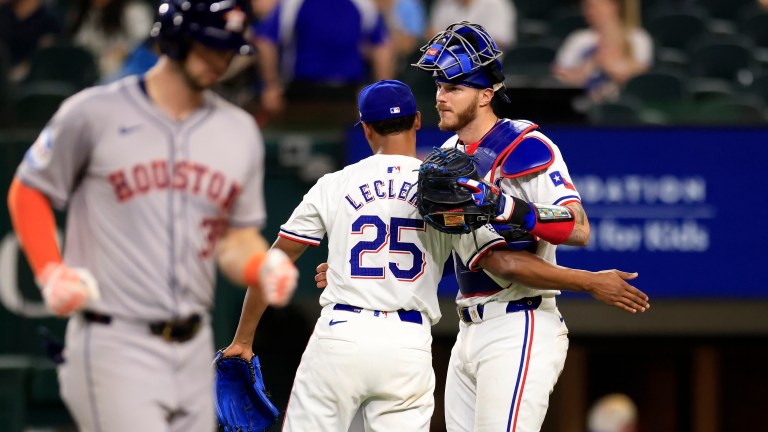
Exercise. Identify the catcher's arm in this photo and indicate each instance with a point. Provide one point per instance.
(580, 233)
(555, 224)
(607, 286)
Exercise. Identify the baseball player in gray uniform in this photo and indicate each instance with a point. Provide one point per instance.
(162, 180)
(512, 340)
(371, 346)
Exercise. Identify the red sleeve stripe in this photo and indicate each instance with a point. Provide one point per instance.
(566, 199)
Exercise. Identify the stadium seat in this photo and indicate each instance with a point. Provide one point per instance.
(741, 109)
(657, 86)
(622, 112)
(759, 87)
(755, 26)
(531, 60)
(709, 89)
(725, 9)
(730, 59)
(565, 20)
(35, 102)
(5, 88)
(68, 63)
(676, 28)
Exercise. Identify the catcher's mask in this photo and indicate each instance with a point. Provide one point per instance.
(441, 201)
(216, 24)
(464, 54)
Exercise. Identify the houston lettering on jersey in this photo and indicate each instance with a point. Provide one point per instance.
(380, 189)
(191, 177)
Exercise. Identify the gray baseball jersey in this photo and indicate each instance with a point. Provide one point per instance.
(148, 196)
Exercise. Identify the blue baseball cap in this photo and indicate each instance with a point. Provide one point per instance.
(384, 100)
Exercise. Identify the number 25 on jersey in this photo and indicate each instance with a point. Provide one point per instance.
(379, 246)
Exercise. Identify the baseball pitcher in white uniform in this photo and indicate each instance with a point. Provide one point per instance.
(371, 346)
(162, 179)
(512, 340)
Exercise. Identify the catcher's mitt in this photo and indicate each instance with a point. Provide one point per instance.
(242, 404)
(442, 202)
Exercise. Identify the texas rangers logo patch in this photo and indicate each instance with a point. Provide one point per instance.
(558, 180)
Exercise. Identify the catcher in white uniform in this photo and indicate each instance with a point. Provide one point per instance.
(371, 347)
(512, 341)
(162, 180)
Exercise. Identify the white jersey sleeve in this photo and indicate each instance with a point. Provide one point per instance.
(306, 222)
(58, 157)
(471, 247)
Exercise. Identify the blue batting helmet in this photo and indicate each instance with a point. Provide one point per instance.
(215, 24)
(464, 53)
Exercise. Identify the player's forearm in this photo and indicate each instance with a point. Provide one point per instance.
(268, 62)
(238, 249)
(254, 306)
(383, 61)
(34, 225)
(580, 234)
(530, 270)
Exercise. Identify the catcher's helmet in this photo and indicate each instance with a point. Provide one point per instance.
(441, 201)
(215, 24)
(464, 53)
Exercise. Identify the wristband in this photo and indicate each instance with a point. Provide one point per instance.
(253, 268)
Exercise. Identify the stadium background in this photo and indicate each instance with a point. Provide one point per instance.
(671, 180)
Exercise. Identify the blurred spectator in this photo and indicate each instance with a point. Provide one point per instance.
(262, 8)
(604, 56)
(110, 29)
(613, 413)
(25, 25)
(318, 50)
(498, 17)
(407, 22)
(137, 62)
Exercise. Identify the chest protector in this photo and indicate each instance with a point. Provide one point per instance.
(506, 149)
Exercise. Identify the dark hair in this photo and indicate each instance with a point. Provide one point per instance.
(111, 20)
(393, 126)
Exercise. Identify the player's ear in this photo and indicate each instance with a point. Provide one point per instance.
(486, 96)
(368, 131)
(417, 121)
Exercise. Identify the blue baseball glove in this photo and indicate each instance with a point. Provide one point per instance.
(242, 404)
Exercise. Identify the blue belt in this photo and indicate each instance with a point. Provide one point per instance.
(412, 316)
(525, 303)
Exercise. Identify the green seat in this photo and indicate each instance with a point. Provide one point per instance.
(36, 102)
(673, 28)
(657, 86)
(740, 109)
(565, 20)
(729, 59)
(63, 62)
(755, 26)
(532, 59)
(725, 9)
(622, 112)
(759, 87)
(15, 371)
